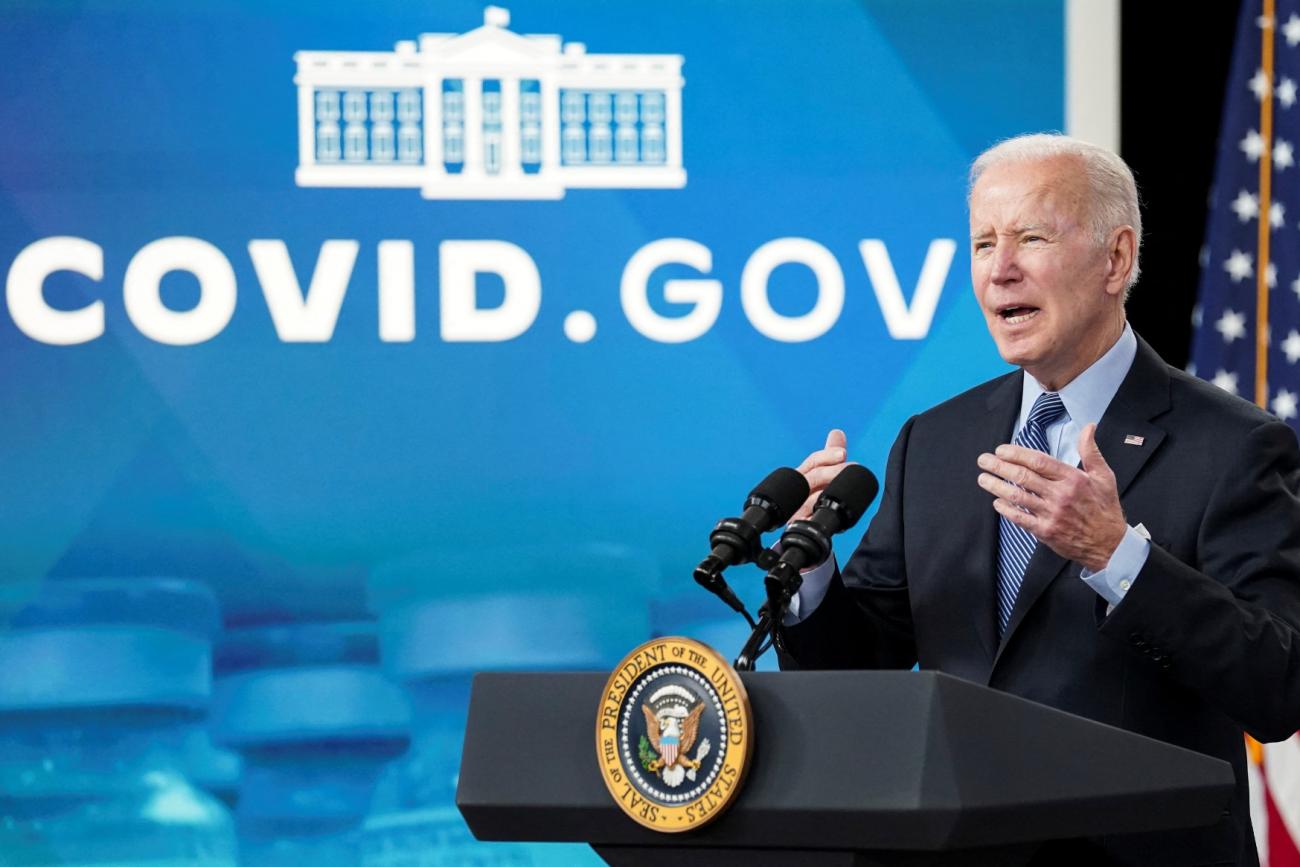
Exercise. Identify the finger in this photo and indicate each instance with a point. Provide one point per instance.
(806, 510)
(1017, 496)
(1089, 453)
(1025, 520)
(836, 439)
(1015, 473)
(829, 456)
(818, 480)
(1041, 463)
(819, 477)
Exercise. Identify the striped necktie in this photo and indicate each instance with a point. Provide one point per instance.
(1016, 545)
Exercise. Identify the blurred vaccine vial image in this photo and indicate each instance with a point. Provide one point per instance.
(436, 634)
(316, 723)
(104, 682)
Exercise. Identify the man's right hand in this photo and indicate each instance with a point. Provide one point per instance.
(820, 468)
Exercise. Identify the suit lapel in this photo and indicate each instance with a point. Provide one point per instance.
(976, 592)
(1126, 435)
(1127, 439)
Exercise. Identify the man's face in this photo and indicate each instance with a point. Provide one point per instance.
(1039, 276)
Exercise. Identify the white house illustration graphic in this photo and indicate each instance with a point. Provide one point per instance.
(489, 114)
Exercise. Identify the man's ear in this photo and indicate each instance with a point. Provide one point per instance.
(1121, 250)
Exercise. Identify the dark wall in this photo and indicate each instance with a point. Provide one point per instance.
(1171, 99)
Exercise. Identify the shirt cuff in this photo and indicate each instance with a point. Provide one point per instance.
(1121, 571)
(812, 591)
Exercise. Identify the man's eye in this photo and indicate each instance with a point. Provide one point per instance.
(1033, 238)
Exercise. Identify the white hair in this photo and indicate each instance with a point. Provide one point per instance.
(1113, 195)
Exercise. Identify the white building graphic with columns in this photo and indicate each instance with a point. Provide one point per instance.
(489, 114)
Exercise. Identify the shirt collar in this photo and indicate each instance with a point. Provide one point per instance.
(1088, 394)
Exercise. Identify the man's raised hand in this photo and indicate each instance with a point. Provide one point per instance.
(820, 468)
(1075, 511)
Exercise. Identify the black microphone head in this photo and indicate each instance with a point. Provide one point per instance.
(849, 494)
(780, 494)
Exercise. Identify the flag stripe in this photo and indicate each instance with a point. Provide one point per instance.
(1282, 850)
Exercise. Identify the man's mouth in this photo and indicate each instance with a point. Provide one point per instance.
(1014, 315)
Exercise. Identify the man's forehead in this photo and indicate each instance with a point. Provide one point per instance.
(1058, 169)
(1021, 196)
(1047, 173)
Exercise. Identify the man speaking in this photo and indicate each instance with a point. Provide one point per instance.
(1097, 531)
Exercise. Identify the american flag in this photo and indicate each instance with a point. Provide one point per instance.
(1233, 260)
(1250, 264)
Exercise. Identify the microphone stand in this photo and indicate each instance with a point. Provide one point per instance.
(812, 543)
(782, 582)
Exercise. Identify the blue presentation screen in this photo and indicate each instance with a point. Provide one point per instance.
(277, 313)
(341, 309)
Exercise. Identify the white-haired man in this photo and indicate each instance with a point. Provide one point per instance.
(1098, 532)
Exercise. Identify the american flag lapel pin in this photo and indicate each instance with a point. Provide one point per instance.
(1134, 440)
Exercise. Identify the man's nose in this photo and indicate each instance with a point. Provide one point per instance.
(1004, 268)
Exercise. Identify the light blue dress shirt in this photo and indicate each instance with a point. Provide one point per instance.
(1086, 398)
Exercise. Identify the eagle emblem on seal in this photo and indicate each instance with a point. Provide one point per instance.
(672, 722)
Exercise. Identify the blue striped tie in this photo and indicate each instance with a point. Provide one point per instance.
(1016, 545)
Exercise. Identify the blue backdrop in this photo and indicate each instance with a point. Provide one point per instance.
(435, 506)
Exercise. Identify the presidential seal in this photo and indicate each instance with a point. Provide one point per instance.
(674, 734)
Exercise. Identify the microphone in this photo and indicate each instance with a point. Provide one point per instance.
(806, 543)
(739, 540)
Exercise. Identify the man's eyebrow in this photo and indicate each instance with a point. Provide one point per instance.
(1035, 228)
(985, 231)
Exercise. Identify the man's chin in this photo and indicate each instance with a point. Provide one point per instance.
(1016, 353)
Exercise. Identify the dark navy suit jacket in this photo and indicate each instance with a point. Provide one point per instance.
(1205, 645)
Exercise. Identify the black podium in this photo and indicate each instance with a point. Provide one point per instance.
(853, 768)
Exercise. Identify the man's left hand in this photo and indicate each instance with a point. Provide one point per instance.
(1074, 511)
